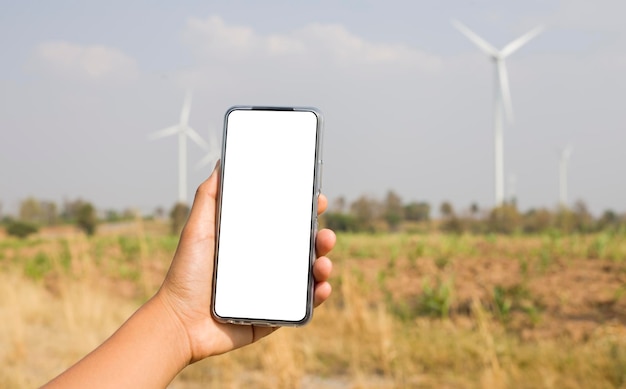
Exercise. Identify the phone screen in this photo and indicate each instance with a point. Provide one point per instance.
(267, 216)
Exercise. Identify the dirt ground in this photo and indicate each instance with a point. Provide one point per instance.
(570, 297)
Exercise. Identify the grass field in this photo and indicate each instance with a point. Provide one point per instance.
(408, 310)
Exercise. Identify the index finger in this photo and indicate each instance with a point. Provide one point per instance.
(322, 203)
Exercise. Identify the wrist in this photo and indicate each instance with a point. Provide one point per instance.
(148, 350)
(173, 324)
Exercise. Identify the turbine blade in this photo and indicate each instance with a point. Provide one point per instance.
(505, 90)
(164, 132)
(213, 153)
(208, 159)
(184, 114)
(521, 41)
(193, 135)
(477, 40)
(214, 143)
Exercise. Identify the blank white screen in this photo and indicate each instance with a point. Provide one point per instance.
(265, 226)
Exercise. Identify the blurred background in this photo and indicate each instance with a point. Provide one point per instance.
(451, 285)
(408, 99)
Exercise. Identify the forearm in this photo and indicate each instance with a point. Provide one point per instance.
(148, 351)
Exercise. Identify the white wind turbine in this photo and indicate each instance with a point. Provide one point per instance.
(184, 131)
(502, 100)
(563, 161)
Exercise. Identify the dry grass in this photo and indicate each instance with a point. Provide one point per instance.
(407, 311)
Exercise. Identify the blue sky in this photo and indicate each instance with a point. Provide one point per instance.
(407, 98)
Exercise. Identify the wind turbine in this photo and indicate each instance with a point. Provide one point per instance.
(502, 100)
(184, 131)
(563, 160)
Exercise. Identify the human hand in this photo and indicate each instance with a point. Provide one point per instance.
(175, 327)
(186, 291)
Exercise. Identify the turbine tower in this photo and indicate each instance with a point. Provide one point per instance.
(565, 155)
(184, 131)
(502, 99)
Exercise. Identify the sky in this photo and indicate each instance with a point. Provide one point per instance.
(407, 99)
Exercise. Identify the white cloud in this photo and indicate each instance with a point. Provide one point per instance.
(330, 44)
(93, 62)
(213, 34)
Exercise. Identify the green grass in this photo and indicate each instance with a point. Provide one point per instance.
(436, 298)
(38, 266)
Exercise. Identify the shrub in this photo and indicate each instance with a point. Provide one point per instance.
(21, 229)
(340, 222)
(86, 218)
(504, 219)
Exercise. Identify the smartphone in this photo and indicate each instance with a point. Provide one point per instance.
(267, 216)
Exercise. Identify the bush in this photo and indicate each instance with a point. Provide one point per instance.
(537, 221)
(453, 225)
(340, 222)
(417, 211)
(504, 219)
(86, 218)
(21, 229)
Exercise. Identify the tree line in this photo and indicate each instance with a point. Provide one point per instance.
(34, 214)
(365, 214)
(368, 214)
